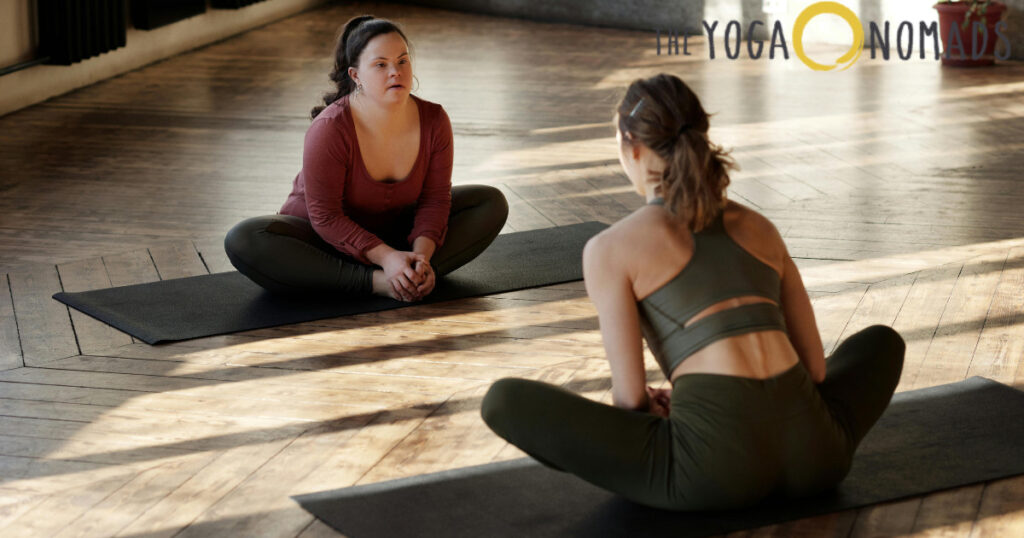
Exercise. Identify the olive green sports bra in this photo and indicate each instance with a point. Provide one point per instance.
(719, 269)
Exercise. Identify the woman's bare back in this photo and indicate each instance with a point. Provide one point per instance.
(663, 247)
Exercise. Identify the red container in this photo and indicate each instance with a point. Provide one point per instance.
(955, 12)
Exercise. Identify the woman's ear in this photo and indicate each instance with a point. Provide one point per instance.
(352, 74)
(636, 150)
(632, 149)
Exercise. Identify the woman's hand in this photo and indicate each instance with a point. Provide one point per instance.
(400, 272)
(428, 278)
(659, 401)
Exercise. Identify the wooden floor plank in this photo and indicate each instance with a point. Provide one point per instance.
(1001, 343)
(211, 250)
(1001, 512)
(93, 335)
(367, 449)
(54, 478)
(202, 392)
(522, 215)
(144, 490)
(376, 375)
(886, 519)
(949, 355)
(134, 267)
(10, 343)
(44, 325)
(15, 505)
(449, 437)
(880, 304)
(948, 513)
(276, 514)
(921, 315)
(179, 259)
(56, 512)
(104, 451)
(833, 311)
(318, 529)
(192, 432)
(214, 400)
(191, 498)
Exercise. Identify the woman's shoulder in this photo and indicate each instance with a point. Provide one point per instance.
(755, 233)
(434, 113)
(330, 129)
(737, 213)
(427, 105)
(333, 112)
(332, 119)
(643, 229)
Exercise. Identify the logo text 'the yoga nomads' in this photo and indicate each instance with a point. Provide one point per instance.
(956, 43)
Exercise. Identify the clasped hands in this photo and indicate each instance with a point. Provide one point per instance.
(409, 275)
(659, 401)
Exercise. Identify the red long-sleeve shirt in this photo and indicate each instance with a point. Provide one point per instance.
(347, 207)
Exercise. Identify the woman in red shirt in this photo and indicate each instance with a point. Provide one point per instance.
(373, 209)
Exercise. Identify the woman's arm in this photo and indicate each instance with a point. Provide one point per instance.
(606, 277)
(435, 200)
(424, 246)
(800, 323)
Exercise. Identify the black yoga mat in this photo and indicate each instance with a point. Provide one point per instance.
(221, 303)
(927, 440)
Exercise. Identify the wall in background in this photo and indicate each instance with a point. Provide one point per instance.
(18, 36)
(36, 84)
(630, 14)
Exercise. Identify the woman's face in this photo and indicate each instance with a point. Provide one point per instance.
(385, 69)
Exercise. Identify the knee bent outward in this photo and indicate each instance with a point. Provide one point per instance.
(497, 404)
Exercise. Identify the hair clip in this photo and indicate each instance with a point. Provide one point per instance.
(637, 107)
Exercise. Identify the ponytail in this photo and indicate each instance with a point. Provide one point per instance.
(695, 178)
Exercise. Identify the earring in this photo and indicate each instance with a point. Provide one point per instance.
(359, 88)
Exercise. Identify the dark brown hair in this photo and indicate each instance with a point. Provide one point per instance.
(356, 33)
(664, 114)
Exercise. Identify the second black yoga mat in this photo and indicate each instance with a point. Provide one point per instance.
(927, 440)
(221, 303)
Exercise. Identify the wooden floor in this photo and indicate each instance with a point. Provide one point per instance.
(897, 185)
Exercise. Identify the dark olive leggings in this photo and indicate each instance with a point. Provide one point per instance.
(284, 254)
(729, 441)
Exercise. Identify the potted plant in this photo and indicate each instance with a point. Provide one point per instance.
(964, 13)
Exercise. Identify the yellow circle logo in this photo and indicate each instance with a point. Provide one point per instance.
(833, 8)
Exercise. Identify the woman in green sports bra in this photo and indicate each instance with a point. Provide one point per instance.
(755, 409)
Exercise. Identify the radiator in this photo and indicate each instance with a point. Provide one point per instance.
(232, 4)
(73, 30)
(149, 14)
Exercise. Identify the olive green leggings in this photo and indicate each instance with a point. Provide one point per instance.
(284, 254)
(729, 441)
